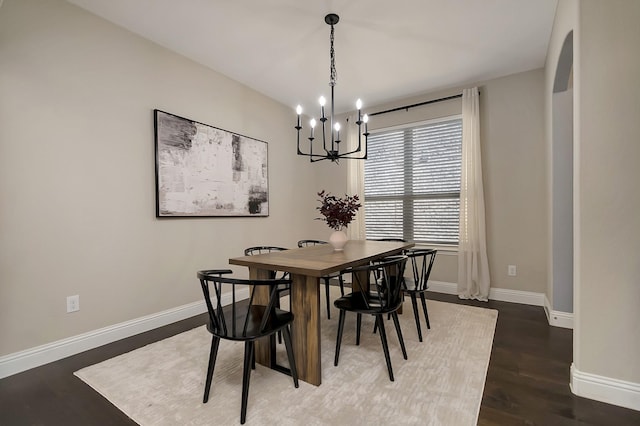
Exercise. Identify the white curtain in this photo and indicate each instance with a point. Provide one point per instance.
(355, 185)
(473, 265)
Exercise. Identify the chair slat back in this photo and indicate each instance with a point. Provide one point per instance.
(252, 251)
(384, 281)
(421, 264)
(394, 240)
(307, 243)
(237, 320)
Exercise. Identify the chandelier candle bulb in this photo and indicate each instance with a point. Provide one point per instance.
(322, 101)
(299, 111)
(337, 127)
(366, 120)
(312, 123)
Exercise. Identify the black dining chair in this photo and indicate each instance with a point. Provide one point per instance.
(281, 289)
(243, 321)
(421, 261)
(327, 278)
(377, 292)
(252, 251)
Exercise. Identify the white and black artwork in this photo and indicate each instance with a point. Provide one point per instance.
(203, 171)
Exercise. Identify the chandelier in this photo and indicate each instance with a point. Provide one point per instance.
(330, 149)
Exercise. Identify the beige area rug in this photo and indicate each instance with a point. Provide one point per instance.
(440, 384)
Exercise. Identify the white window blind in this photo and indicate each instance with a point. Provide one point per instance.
(412, 182)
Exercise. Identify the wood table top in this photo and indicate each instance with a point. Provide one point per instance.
(322, 259)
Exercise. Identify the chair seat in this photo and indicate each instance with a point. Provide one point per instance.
(356, 302)
(253, 315)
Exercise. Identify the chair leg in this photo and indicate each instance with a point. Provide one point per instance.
(272, 350)
(339, 339)
(253, 361)
(292, 360)
(424, 309)
(277, 305)
(246, 375)
(215, 343)
(375, 326)
(385, 346)
(396, 322)
(358, 327)
(326, 287)
(414, 302)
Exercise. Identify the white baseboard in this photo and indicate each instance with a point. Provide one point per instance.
(24, 360)
(443, 287)
(557, 318)
(500, 294)
(517, 296)
(604, 389)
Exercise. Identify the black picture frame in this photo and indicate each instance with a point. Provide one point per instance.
(205, 171)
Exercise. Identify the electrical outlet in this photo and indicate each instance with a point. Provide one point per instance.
(73, 303)
(511, 270)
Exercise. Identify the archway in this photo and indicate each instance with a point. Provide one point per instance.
(562, 181)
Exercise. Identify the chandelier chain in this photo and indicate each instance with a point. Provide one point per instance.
(332, 53)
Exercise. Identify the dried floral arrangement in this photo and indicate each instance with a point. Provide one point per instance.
(338, 212)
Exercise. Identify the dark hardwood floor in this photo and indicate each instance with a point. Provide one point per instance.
(527, 381)
(528, 376)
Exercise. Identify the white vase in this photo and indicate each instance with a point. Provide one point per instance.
(338, 239)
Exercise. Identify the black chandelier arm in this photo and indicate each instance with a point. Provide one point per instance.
(344, 156)
(314, 158)
(324, 135)
(310, 154)
(358, 149)
(298, 128)
(333, 154)
(360, 134)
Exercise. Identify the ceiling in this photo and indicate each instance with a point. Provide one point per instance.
(385, 50)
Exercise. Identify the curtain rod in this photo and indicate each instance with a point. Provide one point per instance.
(406, 107)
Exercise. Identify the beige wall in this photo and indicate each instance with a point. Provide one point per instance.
(77, 174)
(514, 172)
(609, 206)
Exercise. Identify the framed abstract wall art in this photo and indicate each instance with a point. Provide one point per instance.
(204, 171)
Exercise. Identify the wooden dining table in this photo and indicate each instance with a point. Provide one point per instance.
(306, 266)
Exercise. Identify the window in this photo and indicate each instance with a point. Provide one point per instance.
(412, 182)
